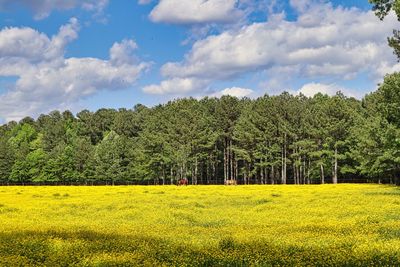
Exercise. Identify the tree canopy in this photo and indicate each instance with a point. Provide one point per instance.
(269, 140)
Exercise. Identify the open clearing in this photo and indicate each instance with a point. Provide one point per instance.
(326, 225)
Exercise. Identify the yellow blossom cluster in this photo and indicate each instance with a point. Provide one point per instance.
(323, 225)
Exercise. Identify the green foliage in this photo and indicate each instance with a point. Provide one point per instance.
(383, 7)
(271, 139)
(108, 158)
(389, 98)
(6, 160)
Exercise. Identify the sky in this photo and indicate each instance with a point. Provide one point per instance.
(92, 54)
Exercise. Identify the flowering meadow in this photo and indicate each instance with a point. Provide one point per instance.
(320, 225)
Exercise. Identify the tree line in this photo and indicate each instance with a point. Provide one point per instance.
(283, 139)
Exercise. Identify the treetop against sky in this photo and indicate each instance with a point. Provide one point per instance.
(70, 54)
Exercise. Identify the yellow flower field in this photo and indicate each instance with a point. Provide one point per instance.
(324, 225)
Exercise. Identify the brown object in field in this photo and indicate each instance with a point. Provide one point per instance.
(183, 182)
(230, 182)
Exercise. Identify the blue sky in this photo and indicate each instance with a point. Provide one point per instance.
(70, 54)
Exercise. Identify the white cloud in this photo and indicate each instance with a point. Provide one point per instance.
(123, 53)
(352, 41)
(234, 91)
(312, 89)
(47, 80)
(324, 41)
(196, 11)
(43, 8)
(33, 46)
(176, 86)
(385, 68)
(23, 42)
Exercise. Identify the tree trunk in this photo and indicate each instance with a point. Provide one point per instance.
(246, 174)
(202, 173)
(178, 173)
(262, 175)
(185, 171)
(208, 172)
(299, 172)
(163, 176)
(282, 168)
(181, 174)
(266, 175)
(231, 160)
(284, 162)
(195, 172)
(272, 174)
(214, 166)
(236, 170)
(322, 174)
(225, 162)
(335, 169)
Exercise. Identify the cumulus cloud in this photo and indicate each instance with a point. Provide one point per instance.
(343, 42)
(43, 8)
(312, 89)
(47, 80)
(176, 86)
(234, 91)
(323, 41)
(32, 46)
(123, 53)
(196, 11)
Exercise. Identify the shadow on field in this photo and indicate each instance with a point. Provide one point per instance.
(90, 248)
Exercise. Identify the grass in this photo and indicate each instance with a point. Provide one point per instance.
(327, 225)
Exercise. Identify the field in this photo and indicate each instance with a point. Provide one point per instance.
(325, 225)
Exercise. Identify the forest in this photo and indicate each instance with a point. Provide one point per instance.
(282, 139)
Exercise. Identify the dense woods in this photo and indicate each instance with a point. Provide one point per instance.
(282, 139)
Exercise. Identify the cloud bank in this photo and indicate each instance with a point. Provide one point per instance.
(47, 80)
(322, 41)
